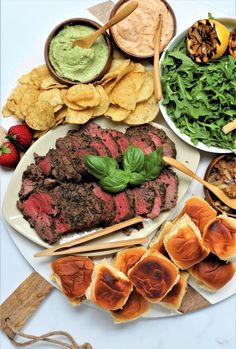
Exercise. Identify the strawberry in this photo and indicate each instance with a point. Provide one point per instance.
(9, 155)
(20, 135)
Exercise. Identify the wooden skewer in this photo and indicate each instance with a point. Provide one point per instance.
(229, 127)
(91, 236)
(156, 65)
(96, 247)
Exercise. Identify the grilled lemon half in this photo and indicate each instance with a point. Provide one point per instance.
(207, 39)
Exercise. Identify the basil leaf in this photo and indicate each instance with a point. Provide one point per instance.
(100, 166)
(137, 178)
(133, 159)
(153, 164)
(115, 182)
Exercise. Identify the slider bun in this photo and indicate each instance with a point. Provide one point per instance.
(220, 237)
(158, 243)
(184, 244)
(174, 297)
(212, 273)
(110, 288)
(199, 211)
(127, 258)
(135, 306)
(73, 275)
(153, 276)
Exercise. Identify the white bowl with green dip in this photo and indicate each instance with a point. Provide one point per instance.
(71, 65)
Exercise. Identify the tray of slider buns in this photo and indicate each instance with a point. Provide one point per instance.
(197, 247)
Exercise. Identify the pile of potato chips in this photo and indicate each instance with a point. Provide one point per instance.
(125, 94)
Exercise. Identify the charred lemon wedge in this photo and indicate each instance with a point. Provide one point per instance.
(232, 43)
(207, 39)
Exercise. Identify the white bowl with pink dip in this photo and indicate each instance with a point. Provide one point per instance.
(134, 35)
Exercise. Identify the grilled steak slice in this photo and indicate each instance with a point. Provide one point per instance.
(170, 180)
(120, 139)
(66, 208)
(141, 140)
(94, 130)
(124, 206)
(30, 180)
(144, 197)
(157, 136)
(159, 200)
(39, 210)
(109, 203)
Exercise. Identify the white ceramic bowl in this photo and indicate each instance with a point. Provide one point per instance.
(230, 23)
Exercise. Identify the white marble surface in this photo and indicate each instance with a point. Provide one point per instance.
(25, 26)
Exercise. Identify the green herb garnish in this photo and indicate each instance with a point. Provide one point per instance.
(137, 168)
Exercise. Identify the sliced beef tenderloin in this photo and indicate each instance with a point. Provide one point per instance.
(144, 197)
(124, 206)
(39, 210)
(137, 137)
(121, 141)
(109, 203)
(157, 136)
(91, 129)
(160, 138)
(94, 130)
(170, 180)
(159, 200)
(82, 208)
(30, 180)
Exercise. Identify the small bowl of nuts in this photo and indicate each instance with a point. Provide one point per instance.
(222, 173)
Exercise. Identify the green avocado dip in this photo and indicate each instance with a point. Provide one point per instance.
(76, 63)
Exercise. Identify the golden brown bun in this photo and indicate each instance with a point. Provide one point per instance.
(220, 237)
(174, 297)
(126, 259)
(110, 288)
(153, 276)
(184, 244)
(212, 273)
(135, 306)
(158, 243)
(199, 211)
(73, 275)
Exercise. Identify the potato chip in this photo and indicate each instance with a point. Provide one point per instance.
(117, 67)
(40, 116)
(61, 114)
(83, 95)
(145, 112)
(72, 105)
(104, 102)
(53, 97)
(138, 67)
(125, 92)
(35, 76)
(111, 84)
(30, 96)
(38, 74)
(78, 116)
(147, 88)
(116, 113)
(50, 82)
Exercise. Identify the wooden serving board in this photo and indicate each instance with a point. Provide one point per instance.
(24, 301)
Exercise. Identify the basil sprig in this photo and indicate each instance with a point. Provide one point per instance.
(137, 168)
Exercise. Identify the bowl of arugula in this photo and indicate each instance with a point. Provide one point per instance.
(199, 98)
